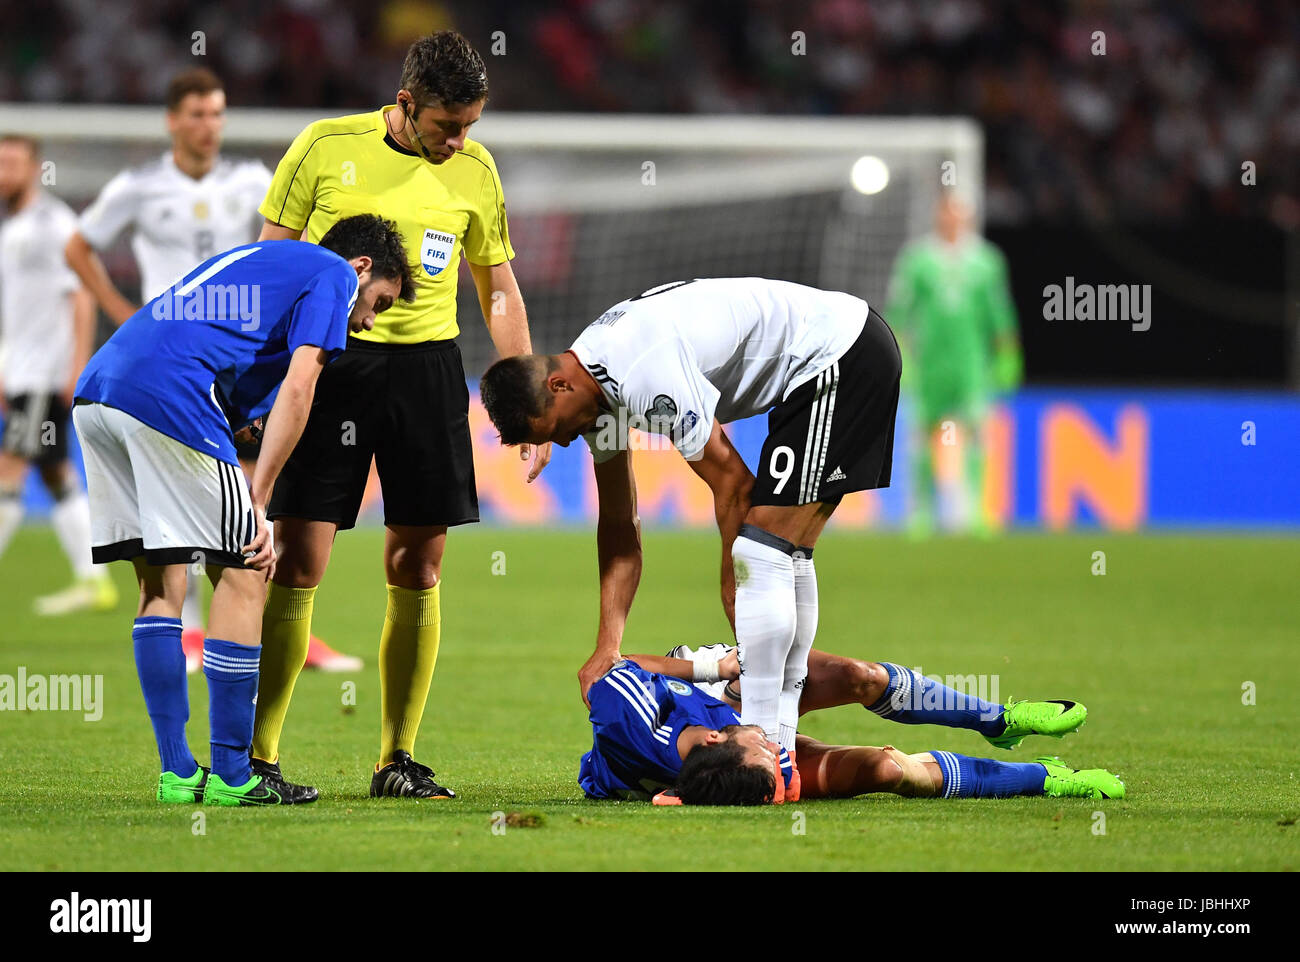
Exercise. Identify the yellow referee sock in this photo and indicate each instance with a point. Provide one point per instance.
(408, 651)
(286, 632)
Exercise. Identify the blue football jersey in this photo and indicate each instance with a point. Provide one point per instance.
(206, 357)
(636, 717)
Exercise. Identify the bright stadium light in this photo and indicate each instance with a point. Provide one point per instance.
(869, 175)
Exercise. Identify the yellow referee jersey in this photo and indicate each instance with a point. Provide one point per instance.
(345, 165)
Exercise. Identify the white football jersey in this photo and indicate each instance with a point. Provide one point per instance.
(178, 221)
(680, 356)
(36, 287)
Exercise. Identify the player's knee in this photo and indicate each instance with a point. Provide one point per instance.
(869, 680)
(290, 576)
(414, 564)
(407, 570)
(885, 773)
(162, 589)
(245, 587)
(296, 567)
(302, 552)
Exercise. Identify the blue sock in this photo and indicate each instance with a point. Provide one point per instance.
(232, 692)
(913, 699)
(966, 777)
(160, 663)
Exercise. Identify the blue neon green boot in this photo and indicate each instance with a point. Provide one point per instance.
(1065, 782)
(1055, 718)
(255, 791)
(174, 790)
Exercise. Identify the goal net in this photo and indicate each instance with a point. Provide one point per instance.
(604, 206)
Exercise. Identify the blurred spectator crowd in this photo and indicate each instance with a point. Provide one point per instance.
(1156, 128)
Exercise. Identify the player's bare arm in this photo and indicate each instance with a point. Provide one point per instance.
(283, 429)
(273, 231)
(507, 322)
(618, 550)
(682, 668)
(687, 669)
(83, 337)
(81, 257)
(721, 467)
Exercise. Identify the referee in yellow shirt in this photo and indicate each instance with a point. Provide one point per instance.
(398, 393)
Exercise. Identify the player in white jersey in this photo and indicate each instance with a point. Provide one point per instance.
(45, 334)
(181, 209)
(680, 360)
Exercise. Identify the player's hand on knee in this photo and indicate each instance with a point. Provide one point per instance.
(260, 552)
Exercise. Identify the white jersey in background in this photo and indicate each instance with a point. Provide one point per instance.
(36, 285)
(177, 221)
(685, 354)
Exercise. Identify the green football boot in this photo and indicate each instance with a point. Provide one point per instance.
(174, 790)
(255, 791)
(1055, 718)
(1065, 782)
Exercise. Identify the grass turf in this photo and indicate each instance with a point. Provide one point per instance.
(1159, 648)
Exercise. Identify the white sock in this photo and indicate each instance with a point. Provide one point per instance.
(71, 520)
(765, 625)
(192, 607)
(805, 629)
(11, 516)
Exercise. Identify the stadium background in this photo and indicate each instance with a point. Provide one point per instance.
(1125, 168)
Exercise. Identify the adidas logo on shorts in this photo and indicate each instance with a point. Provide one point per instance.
(836, 475)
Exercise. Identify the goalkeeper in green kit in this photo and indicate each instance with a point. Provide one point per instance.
(950, 304)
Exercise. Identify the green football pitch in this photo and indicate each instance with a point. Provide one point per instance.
(1185, 652)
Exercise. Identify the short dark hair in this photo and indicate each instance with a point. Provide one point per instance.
(196, 80)
(717, 775)
(513, 394)
(369, 235)
(31, 143)
(444, 70)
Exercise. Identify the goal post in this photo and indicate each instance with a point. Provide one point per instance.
(604, 206)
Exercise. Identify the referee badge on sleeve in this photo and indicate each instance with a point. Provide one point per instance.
(435, 252)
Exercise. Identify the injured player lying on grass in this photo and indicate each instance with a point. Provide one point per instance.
(668, 727)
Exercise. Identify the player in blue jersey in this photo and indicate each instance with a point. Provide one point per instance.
(243, 335)
(645, 723)
(660, 722)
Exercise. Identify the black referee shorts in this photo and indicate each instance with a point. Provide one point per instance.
(405, 405)
(835, 433)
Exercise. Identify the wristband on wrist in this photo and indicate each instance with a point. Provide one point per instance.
(706, 670)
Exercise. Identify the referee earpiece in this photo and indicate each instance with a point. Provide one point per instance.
(415, 134)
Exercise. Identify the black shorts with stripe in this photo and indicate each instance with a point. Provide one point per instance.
(406, 406)
(36, 428)
(835, 433)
